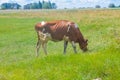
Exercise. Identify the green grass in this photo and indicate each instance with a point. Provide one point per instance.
(18, 40)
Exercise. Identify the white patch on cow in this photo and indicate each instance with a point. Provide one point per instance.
(66, 38)
(44, 37)
(76, 26)
(43, 30)
(68, 29)
(43, 23)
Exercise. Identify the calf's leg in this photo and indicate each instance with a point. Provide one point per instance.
(44, 45)
(74, 46)
(37, 48)
(65, 46)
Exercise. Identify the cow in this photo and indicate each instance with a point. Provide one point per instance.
(57, 31)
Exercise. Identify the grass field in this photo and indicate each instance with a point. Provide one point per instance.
(18, 40)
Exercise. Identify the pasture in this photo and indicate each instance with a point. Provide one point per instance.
(18, 43)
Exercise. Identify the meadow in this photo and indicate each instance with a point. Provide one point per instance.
(18, 43)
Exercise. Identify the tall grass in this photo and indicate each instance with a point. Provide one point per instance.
(18, 40)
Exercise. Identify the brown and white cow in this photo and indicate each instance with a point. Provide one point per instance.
(57, 31)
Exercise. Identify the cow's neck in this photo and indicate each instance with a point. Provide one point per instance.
(81, 39)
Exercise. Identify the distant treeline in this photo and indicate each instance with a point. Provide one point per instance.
(111, 5)
(36, 5)
(43, 5)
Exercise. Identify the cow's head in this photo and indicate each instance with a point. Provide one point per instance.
(83, 45)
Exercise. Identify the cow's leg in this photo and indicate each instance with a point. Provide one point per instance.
(65, 46)
(74, 46)
(44, 45)
(37, 48)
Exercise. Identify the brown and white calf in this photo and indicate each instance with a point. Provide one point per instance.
(57, 31)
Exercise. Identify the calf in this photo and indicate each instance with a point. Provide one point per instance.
(57, 31)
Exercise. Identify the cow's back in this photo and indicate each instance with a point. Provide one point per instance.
(59, 30)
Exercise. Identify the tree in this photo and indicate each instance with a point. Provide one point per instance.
(43, 2)
(111, 5)
(40, 5)
(50, 5)
(10, 6)
(97, 6)
(15, 6)
(31, 6)
(34, 6)
(27, 6)
(119, 6)
(46, 5)
(54, 6)
(5, 6)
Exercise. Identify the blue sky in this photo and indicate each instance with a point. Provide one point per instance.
(71, 3)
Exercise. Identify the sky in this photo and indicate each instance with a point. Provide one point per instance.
(70, 3)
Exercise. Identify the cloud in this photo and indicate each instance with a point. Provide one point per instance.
(1, 1)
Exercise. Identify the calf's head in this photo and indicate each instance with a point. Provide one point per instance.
(83, 45)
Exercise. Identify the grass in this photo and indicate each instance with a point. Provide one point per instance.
(18, 40)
